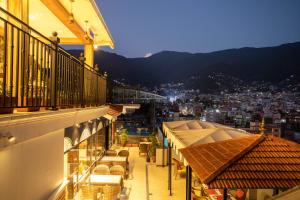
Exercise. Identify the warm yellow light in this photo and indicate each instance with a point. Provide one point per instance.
(95, 46)
(11, 139)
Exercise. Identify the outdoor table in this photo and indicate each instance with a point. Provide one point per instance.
(100, 181)
(114, 160)
(115, 180)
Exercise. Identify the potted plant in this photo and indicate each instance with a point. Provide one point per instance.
(154, 145)
(124, 136)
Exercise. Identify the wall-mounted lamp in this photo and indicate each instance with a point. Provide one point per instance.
(6, 139)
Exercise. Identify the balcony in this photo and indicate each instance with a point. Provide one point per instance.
(35, 72)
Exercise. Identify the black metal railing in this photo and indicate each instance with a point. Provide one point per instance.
(36, 72)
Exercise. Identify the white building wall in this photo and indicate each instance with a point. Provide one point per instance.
(32, 169)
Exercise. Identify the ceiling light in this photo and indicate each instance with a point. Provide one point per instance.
(11, 138)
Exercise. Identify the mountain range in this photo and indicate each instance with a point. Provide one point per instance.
(195, 70)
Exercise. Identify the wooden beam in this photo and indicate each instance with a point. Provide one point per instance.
(63, 15)
(70, 41)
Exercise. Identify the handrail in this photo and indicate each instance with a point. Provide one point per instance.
(23, 23)
(36, 73)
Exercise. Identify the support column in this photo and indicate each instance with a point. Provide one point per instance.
(89, 54)
(188, 185)
(225, 195)
(107, 137)
(163, 148)
(170, 168)
(54, 70)
(114, 132)
(20, 9)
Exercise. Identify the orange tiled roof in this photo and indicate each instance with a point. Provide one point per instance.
(115, 110)
(255, 161)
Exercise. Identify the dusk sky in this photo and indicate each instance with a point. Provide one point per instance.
(141, 27)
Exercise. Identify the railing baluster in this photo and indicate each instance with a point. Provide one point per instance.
(45, 77)
(68, 81)
(41, 75)
(65, 81)
(22, 68)
(32, 71)
(36, 99)
(27, 83)
(4, 65)
(17, 67)
(49, 78)
(11, 65)
(56, 77)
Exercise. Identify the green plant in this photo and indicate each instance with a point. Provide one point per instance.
(154, 144)
(124, 136)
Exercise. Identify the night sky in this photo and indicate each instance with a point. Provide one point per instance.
(144, 27)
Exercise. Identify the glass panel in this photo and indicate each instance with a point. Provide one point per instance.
(71, 164)
(99, 141)
(84, 158)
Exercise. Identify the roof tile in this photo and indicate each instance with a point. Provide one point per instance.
(250, 162)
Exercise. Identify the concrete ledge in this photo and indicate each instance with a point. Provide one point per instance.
(30, 125)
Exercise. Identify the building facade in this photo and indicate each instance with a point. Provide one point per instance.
(47, 153)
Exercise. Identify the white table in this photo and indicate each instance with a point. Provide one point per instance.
(105, 179)
(98, 182)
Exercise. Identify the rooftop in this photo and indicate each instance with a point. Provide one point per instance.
(256, 161)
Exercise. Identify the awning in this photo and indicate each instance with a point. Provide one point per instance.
(193, 132)
(128, 108)
(113, 112)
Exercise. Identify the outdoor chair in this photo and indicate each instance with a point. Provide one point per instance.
(86, 191)
(111, 153)
(198, 193)
(143, 148)
(117, 170)
(179, 168)
(124, 153)
(196, 180)
(101, 169)
(108, 193)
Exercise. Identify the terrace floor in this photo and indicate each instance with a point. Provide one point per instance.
(157, 180)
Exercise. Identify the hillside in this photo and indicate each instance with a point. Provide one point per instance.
(271, 64)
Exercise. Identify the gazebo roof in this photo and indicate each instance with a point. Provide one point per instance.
(256, 161)
(193, 132)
